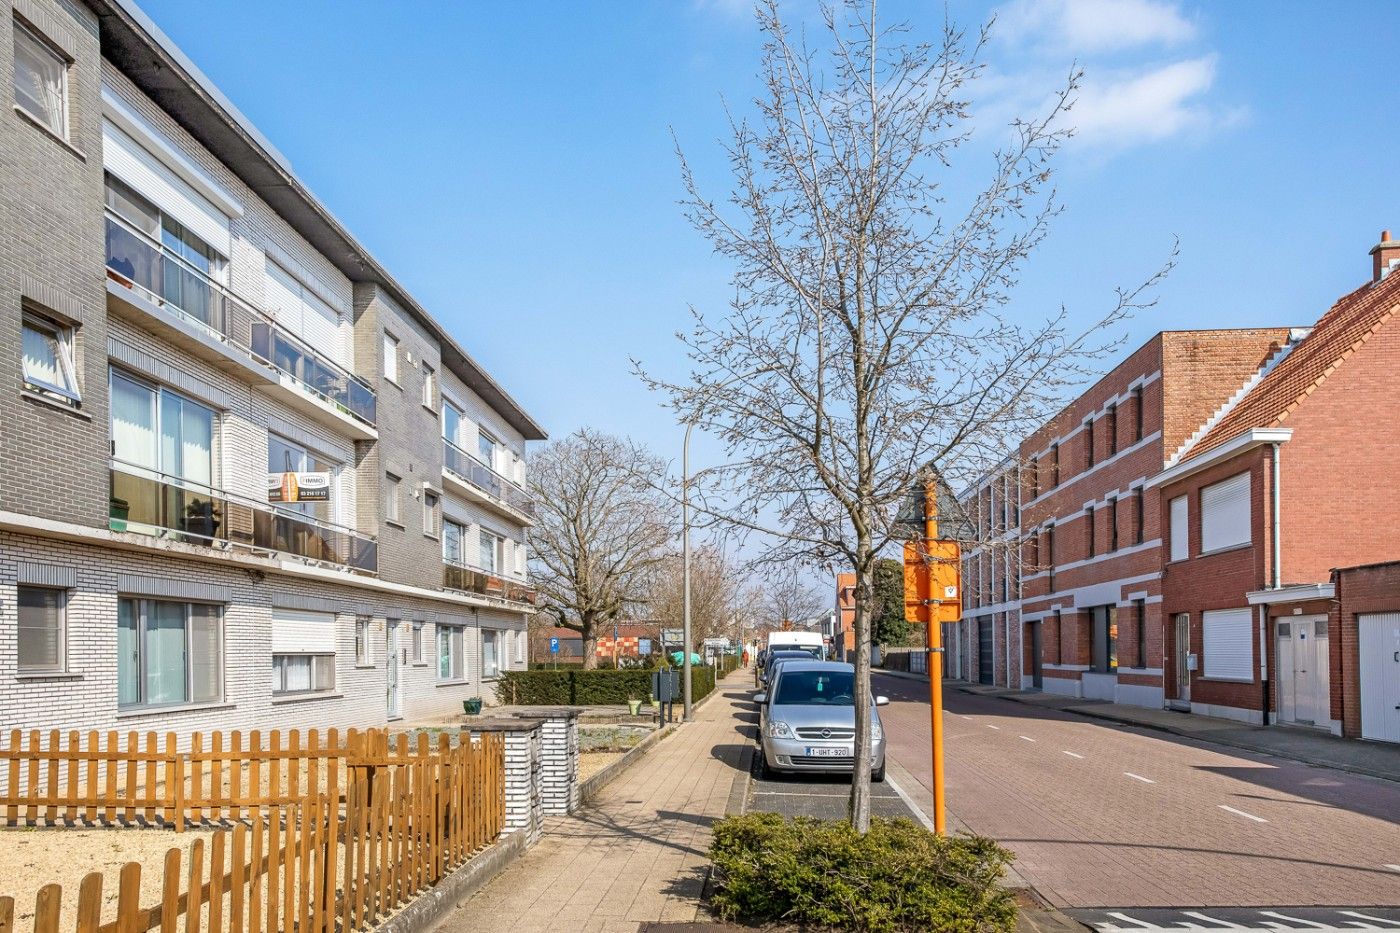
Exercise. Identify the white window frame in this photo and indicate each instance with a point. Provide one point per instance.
(418, 642)
(54, 123)
(1179, 511)
(362, 649)
(491, 636)
(484, 436)
(393, 490)
(429, 388)
(1226, 519)
(497, 550)
(142, 605)
(451, 644)
(60, 622)
(62, 337)
(432, 506)
(319, 663)
(1241, 623)
(391, 358)
(519, 638)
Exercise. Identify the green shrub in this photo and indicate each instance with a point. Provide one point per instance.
(577, 687)
(897, 877)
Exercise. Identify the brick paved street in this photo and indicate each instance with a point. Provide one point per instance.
(1104, 815)
(639, 852)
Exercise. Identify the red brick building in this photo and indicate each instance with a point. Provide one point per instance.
(1294, 475)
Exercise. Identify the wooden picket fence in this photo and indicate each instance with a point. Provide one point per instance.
(94, 778)
(409, 813)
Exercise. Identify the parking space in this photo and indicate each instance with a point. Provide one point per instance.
(821, 796)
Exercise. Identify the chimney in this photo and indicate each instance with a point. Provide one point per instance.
(1385, 256)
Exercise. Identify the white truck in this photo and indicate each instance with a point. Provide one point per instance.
(808, 640)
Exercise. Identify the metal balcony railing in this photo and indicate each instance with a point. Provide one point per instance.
(151, 502)
(168, 280)
(478, 474)
(460, 575)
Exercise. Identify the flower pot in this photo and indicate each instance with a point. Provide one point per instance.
(472, 707)
(635, 706)
(656, 704)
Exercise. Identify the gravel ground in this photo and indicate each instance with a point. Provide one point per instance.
(590, 763)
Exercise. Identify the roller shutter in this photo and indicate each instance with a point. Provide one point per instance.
(301, 631)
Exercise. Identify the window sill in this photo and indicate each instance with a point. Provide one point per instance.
(147, 711)
(393, 382)
(54, 403)
(431, 409)
(1224, 680)
(453, 683)
(1226, 550)
(366, 667)
(32, 676)
(396, 524)
(434, 537)
(30, 119)
(284, 699)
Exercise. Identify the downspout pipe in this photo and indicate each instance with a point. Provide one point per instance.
(1277, 562)
(1277, 524)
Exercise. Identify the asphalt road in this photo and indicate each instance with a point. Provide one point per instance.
(1107, 816)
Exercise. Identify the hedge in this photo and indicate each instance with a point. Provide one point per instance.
(589, 688)
(897, 877)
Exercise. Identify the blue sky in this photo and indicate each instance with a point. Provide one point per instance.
(512, 162)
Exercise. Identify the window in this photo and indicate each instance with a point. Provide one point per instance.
(1088, 443)
(48, 359)
(418, 642)
(168, 653)
(454, 538)
(1112, 429)
(284, 456)
(42, 624)
(1089, 530)
(1105, 639)
(450, 653)
(1225, 518)
(303, 673)
(1137, 414)
(391, 357)
(362, 657)
(1227, 644)
(1138, 530)
(1050, 554)
(430, 513)
(1113, 523)
(41, 81)
(1035, 478)
(429, 387)
(452, 421)
(489, 555)
(1059, 638)
(1180, 515)
(490, 658)
(1140, 631)
(1054, 465)
(486, 448)
(393, 489)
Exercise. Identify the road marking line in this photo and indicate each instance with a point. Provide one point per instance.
(909, 802)
(1248, 816)
(1028, 738)
(1072, 754)
(1353, 913)
(1141, 924)
(1309, 924)
(1224, 923)
(1139, 777)
(990, 726)
(1392, 867)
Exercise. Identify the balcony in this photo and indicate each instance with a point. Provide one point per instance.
(162, 292)
(459, 575)
(479, 482)
(147, 501)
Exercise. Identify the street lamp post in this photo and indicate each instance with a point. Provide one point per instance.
(685, 569)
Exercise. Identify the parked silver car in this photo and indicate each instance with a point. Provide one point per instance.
(807, 720)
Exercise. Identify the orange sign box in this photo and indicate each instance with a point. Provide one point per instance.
(932, 583)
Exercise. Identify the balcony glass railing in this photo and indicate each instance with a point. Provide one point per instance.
(150, 502)
(459, 575)
(165, 278)
(330, 381)
(170, 281)
(478, 474)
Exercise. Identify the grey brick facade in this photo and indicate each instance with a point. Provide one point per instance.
(57, 525)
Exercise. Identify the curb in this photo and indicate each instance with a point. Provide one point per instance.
(432, 907)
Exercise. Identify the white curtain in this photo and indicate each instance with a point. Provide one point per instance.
(128, 663)
(41, 358)
(206, 654)
(133, 423)
(186, 439)
(39, 81)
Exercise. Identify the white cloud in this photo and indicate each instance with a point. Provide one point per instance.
(1117, 109)
(1083, 27)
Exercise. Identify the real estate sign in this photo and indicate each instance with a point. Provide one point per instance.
(298, 487)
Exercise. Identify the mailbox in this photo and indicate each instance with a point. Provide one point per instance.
(666, 686)
(1191, 662)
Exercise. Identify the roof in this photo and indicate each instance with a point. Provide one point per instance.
(150, 58)
(1288, 381)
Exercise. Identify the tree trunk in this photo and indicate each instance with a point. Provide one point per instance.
(860, 778)
(589, 631)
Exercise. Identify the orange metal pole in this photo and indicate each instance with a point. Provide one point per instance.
(935, 663)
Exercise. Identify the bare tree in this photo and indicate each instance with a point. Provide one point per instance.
(714, 594)
(601, 528)
(867, 346)
(788, 598)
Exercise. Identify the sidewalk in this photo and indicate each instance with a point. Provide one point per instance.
(1300, 744)
(638, 854)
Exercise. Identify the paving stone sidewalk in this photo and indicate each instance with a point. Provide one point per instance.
(638, 854)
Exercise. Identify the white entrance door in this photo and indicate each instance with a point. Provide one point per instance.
(1304, 672)
(391, 668)
(1380, 675)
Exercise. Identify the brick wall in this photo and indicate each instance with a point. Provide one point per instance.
(1201, 370)
(1359, 590)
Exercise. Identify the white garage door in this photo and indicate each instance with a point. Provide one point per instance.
(1380, 675)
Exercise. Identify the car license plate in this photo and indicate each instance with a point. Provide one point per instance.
(827, 752)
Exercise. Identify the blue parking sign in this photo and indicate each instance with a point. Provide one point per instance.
(554, 646)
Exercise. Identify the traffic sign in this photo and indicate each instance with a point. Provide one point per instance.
(931, 584)
(554, 646)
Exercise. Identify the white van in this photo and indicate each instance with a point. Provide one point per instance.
(808, 640)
